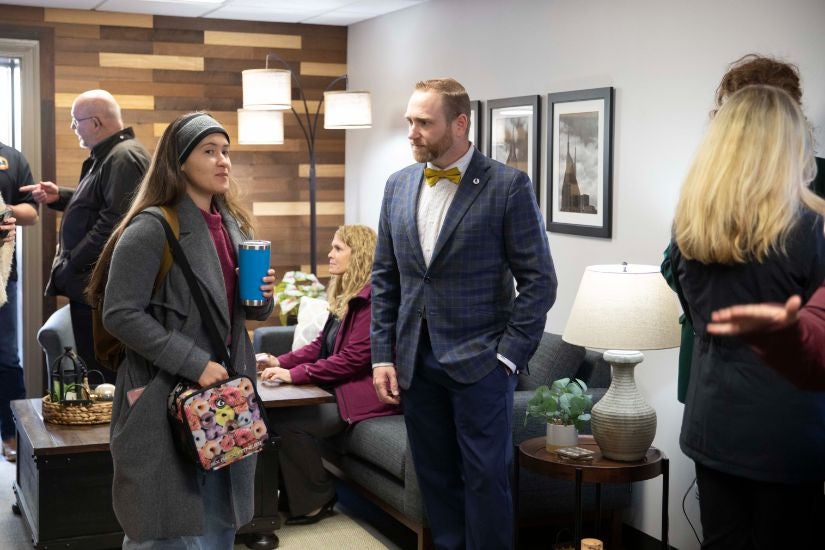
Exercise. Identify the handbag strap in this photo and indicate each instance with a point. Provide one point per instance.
(180, 258)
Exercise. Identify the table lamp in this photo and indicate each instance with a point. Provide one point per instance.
(623, 309)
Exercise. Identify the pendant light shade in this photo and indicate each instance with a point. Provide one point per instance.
(267, 89)
(347, 109)
(260, 127)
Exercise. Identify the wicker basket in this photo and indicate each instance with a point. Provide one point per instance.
(99, 412)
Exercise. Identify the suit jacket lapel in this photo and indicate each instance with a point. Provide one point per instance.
(411, 193)
(472, 183)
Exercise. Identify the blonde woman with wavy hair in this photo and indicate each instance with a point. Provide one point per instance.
(749, 180)
(339, 357)
(747, 229)
(361, 240)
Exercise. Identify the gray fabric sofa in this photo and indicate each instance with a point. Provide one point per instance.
(375, 459)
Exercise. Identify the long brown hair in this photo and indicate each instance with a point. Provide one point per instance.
(163, 185)
(361, 240)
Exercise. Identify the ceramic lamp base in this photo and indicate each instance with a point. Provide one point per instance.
(623, 423)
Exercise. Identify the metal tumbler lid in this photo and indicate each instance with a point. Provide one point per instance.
(254, 245)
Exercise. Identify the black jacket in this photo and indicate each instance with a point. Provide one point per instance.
(741, 417)
(108, 181)
(14, 174)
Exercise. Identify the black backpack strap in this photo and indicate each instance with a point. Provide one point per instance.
(218, 345)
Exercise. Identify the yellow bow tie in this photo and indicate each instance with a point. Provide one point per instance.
(432, 176)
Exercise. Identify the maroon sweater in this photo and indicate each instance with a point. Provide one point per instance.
(349, 367)
(798, 351)
(226, 255)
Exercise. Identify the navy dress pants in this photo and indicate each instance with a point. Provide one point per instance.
(462, 446)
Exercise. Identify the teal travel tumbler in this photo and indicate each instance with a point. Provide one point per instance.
(253, 263)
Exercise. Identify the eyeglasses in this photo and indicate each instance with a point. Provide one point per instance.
(76, 121)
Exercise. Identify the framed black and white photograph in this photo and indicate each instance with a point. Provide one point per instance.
(580, 158)
(475, 124)
(513, 137)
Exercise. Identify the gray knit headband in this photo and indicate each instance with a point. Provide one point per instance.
(192, 131)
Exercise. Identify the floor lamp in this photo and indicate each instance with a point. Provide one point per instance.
(267, 93)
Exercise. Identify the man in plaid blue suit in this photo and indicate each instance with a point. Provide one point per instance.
(447, 327)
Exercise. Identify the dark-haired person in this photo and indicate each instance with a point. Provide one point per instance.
(160, 499)
(339, 357)
(456, 230)
(749, 70)
(15, 175)
(748, 229)
(108, 180)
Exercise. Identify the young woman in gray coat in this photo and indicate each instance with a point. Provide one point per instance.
(161, 500)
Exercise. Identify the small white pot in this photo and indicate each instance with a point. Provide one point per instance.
(559, 436)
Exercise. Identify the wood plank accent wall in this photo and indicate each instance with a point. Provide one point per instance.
(160, 67)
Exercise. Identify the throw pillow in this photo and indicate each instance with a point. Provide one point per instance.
(553, 359)
(312, 315)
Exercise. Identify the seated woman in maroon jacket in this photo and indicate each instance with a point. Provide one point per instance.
(340, 358)
(788, 339)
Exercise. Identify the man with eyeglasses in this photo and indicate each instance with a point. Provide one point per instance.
(108, 181)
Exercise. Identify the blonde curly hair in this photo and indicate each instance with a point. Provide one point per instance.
(342, 288)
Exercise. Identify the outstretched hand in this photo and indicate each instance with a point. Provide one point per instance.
(748, 318)
(43, 192)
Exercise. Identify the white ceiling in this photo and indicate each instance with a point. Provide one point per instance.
(316, 12)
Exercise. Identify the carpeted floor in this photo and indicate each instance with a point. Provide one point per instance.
(342, 531)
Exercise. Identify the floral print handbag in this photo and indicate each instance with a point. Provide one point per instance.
(219, 424)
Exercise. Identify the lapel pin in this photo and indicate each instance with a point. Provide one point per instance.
(475, 181)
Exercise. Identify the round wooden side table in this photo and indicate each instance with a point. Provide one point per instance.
(534, 456)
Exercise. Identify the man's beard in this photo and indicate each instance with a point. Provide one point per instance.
(434, 150)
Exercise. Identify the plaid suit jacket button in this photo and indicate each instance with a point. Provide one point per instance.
(427, 280)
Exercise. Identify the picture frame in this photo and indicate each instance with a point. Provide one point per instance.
(475, 123)
(580, 162)
(513, 134)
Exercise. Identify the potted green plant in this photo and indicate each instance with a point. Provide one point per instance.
(294, 286)
(565, 407)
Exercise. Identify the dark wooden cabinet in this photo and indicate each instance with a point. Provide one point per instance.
(64, 482)
(64, 477)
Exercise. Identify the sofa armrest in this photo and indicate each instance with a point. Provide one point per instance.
(274, 340)
(56, 334)
(522, 430)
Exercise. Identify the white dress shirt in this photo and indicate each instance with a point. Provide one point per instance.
(433, 203)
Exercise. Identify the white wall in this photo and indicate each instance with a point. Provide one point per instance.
(664, 59)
